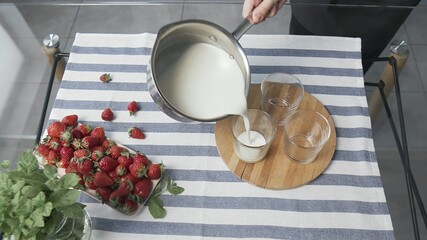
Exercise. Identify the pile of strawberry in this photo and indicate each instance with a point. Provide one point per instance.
(119, 178)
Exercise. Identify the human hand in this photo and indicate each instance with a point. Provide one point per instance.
(261, 9)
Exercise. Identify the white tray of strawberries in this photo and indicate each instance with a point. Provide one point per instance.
(109, 172)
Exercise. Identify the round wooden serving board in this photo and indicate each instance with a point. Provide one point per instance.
(276, 171)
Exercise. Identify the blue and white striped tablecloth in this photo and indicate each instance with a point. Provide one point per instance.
(346, 202)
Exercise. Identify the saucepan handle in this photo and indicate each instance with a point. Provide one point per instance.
(244, 26)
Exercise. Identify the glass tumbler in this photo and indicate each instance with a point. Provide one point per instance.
(252, 146)
(281, 95)
(306, 132)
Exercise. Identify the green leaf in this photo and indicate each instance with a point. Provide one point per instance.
(161, 185)
(175, 189)
(5, 164)
(30, 191)
(50, 171)
(155, 206)
(63, 198)
(69, 180)
(39, 200)
(27, 162)
(52, 221)
(74, 210)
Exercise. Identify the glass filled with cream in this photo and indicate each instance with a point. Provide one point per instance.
(251, 145)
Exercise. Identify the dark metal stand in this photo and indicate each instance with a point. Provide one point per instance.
(402, 145)
(58, 55)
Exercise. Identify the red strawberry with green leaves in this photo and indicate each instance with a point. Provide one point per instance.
(85, 129)
(70, 120)
(121, 170)
(114, 151)
(66, 153)
(143, 188)
(52, 158)
(138, 170)
(107, 143)
(107, 164)
(90, 142)
(141, 158)
(132, 108)
(124, 188)
(130, 178)
(81, 154)
(42, 150)
(125, 161)
(135, 132)
(96, 154)
(105, 78)
(101, 179)
(130, 207)
(63, 163)
(107, 115)
(55, 129)
(99, 133)
(155, 171)
(76, 144)
(104, 193)
(85, 167)
(114, 176)
(76, 133)
(90, 184)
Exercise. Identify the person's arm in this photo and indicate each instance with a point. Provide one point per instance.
(261, 9)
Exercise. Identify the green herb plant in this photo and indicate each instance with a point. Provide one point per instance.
(33, 200)
(155, 203)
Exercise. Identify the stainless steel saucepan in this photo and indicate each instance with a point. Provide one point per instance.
(174, 37)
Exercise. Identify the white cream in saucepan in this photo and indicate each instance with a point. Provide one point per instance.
(204, 82)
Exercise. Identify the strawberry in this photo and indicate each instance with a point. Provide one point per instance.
(141, 158)
(107, 164)
(52, 158)
(113, 175)
(72, 168)
(143, 188)
(130, 207)
(42, 150)
(121, 170)
(125, 161)
(155, 171)
(101, 179)
(107, 115)
(89, 183)
(90, 142)
(107, 143)
(76, 133)
(81, 153)
(63, 164)
(70, 120)
(104, 193)
(66, 153)
(130, 178)
(123, 189)
(138, 170)
(85, 167)
(105, 78)
(114, 151)
(55, 129)
(85, 129)
(99, 148)
(53, 143)
(132, 108)
(135, 132)
(77, 144)
(99, 133)
(96, 155)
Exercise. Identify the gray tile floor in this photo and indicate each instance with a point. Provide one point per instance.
(27, 25)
